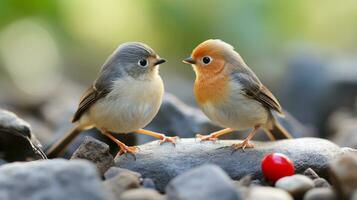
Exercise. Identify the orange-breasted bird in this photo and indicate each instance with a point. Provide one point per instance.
(231, 95)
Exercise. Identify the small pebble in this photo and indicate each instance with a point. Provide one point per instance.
(264, 193)
(141, 194)
(95, 151)
(311, 173)
(122, 182)
(114, 171)
(321, 182)
(148, 183)
(320, 194)
(297, 185)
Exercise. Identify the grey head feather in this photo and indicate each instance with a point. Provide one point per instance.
(234, 59)
(124, 62)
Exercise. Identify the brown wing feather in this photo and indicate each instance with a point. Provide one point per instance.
(90, 96)
(267, 98)
(256, 90)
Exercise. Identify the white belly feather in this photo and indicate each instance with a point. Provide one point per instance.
(131, 105)
(237, 112)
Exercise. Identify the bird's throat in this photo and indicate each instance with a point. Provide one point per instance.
(213, 89)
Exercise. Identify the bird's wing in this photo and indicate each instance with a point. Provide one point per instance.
(90, 96)
(252, 88)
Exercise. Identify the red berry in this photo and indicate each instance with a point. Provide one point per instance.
(276, 166)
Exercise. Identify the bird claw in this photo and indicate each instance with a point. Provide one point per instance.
(206, 138)
(243, 145)
(172, 140)
(128, 150)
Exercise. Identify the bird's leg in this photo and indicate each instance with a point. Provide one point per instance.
(123, 147)
(163, 138)
(214, 136)
(246, 143)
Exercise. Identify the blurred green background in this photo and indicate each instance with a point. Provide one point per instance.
(44, 44)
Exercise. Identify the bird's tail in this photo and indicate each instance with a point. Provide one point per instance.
(57, 148)
(277, 132)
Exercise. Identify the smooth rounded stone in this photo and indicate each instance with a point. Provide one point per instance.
(164, 162)
(321, 182)
(114, 171)
(51, 180)
(178, 119)
(141, 194)
(246, 181)
(207, 182)
(311, 173)
(264, 193)
(95, 151)
(17, 142)
(344, 175)
(121, 182)
(148, 183)
(297, 185)
(320, 194)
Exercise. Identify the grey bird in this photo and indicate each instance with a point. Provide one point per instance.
(124, 98)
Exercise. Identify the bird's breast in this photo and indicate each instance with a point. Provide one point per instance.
(131, 105)
(212, 89)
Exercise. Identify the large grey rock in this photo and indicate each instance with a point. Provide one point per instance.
(264, 193)
(17, 143)
(164, 162)
(207, 182)
(175, 118)
(50, 180)
(297, 185)
(96, 152)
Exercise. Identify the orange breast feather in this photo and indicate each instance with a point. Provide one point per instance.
(211, 88)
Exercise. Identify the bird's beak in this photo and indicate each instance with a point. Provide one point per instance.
(159, 61)
(189, 60)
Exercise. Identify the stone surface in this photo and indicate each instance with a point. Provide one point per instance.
(51, 180)
(177, 118)
(164, 162)
(122, 182)
(141, 194)
(322, 81)
(264, 193)
(96, 152)
(311, 173)
(114, 171)
(207, 182)
(320, 194)
(148, 183)
(297, 185)
(17, 142)
(344, 175)
(321, 182)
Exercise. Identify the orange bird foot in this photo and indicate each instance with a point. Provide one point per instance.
(126, 149)
(206, 137)
(172, 140)
(243, 145)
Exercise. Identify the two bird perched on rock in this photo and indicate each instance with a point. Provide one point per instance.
(128, 93)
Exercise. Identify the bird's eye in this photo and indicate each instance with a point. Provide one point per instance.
(206, 60)
(143, 62)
